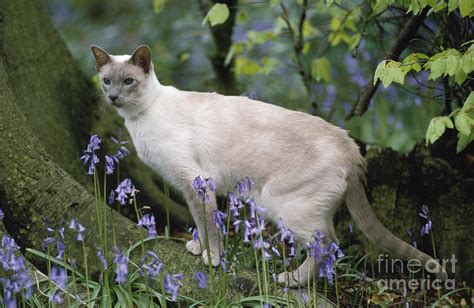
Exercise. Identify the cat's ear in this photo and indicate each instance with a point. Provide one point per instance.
(142, 57)
(101, 57)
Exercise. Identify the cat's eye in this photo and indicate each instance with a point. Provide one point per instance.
(128, 81)
(106, 81)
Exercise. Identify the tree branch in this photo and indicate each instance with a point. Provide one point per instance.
(406, 34)
(298, 44)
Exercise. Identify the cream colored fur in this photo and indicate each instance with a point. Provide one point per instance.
(304, 168)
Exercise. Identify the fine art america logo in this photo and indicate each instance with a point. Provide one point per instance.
(420, 277)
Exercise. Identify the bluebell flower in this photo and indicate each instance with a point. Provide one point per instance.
(109, 165)
(195, 234)
(90, 157)
(125, 190)
(60, 248)
(350, 229)
(171, 284)
(122, 151)
(2, 214)
(151, 264)
(80, 232)
(148, 221)
(203, 187)
(121, 262)
(16, 278)
(425, 230)
(59, 276)
(101, 256)
(219, 219)
(324, 255)
(424, 211)
(201, 279)
(244, 186)
(112, 197)
(236, 225)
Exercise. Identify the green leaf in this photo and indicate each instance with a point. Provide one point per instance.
(460, 77)
(217, 15)
(355, 40)
(321, 69)
(158, 5)
(438, 68)
(379, 71)
(469, 103)
(452, 5)
(245, 66)
(437, 127)
(452, 64)
(464, 141)
(463, 123)
(465, 7)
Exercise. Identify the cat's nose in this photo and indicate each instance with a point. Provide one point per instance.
(113, 98)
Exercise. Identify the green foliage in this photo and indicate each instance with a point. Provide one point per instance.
(389, 71)
(158, 5)
(463, 122)
(437, 127)
(217, 15)
(321, 69)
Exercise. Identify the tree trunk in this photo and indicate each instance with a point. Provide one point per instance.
(398, 185)
(32, 184)
(60, 103)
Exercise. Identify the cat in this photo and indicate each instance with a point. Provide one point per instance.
(303, 167)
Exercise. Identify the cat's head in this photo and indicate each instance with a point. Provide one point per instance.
(125, 80)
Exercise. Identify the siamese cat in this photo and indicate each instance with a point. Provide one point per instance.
(303, 167)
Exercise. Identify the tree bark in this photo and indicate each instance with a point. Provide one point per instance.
(60, 103)
(32, 183)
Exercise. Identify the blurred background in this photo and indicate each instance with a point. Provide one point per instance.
(262, 61)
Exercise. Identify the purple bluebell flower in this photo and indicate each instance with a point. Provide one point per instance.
(125, 190)
(15, 278)
(60, 248)
(72, 224)
(121, 262)
(350, 229)
(224, 261)
(203, 187)
(304, 297)
(151, 264)
(424, 211)
(109, 165)
(61, 232)
(324, 255)
(122, 151)
(244, 186)
(201, 279)
(171, 285)
(148, 221)
(236, 225)
(59, 276)
(101, 256)
(90, 157)
(219, 219)
(112, 197)
(47, 241)
(425, 230)
(234, 204)
(2, 214)
(195, 234)
(80, 232)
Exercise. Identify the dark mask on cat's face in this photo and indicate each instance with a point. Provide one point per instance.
(124, 79)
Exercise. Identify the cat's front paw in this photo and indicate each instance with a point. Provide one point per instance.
(194, 247)
(215, 258)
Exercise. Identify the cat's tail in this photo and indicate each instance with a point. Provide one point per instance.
(359, 207)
